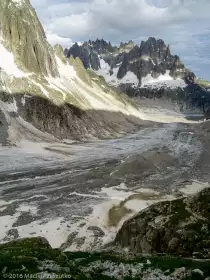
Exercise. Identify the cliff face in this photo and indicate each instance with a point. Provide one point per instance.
(189, 99)
(41, 87)
(23, 35)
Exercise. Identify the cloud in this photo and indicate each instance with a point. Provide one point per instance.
(54, 39)
(184, 24)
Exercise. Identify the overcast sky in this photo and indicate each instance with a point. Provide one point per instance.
(184, 24)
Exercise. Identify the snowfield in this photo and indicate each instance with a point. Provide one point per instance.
(130, 77)
(7, 63)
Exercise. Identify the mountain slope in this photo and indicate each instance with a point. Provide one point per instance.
(56, 95)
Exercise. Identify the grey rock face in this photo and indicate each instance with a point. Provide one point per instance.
(94, 61)
(3, 129)
(82, 53)
(191, 98)
(66, 121)
(87, 55)
(123, 68)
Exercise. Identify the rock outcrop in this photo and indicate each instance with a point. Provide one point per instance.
(179, 227)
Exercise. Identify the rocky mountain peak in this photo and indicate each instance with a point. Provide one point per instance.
(127, 47)
(131, 63)
(23, 35)
(155, 48)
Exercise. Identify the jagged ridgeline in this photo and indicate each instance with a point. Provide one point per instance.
(42, 92)
(150, 57)
(148, 71)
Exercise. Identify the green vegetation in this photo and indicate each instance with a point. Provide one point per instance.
(35, 256)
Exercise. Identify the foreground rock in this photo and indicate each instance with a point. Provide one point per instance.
(180, 227)
(34, 258)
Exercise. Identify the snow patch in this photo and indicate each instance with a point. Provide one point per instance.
(12, 107)
(6, 223)
(65, 70)
(163, 80)
(55, 231)
(100, 216)
(18, 2)
(7, 63)
(105, 72)
(146, 57)
(149, 79)
(164, 116)
(193, 188)
(23, 100)
(27, 208)
(130, 77)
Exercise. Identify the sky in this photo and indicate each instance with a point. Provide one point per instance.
(183, 24)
